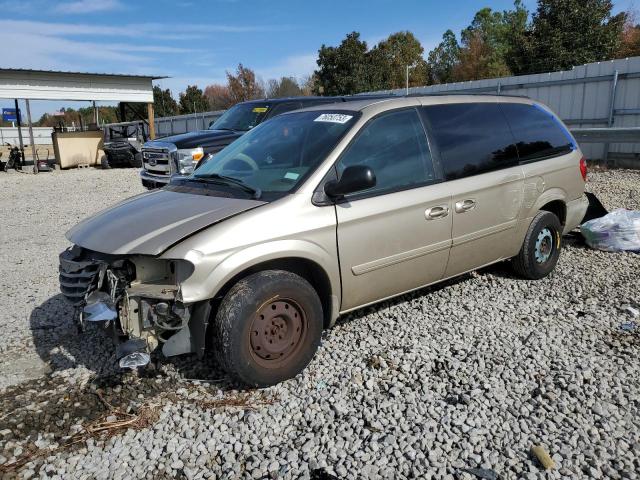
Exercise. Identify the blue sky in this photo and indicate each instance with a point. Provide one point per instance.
(195, 41)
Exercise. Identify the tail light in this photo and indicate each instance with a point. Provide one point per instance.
(583, 168)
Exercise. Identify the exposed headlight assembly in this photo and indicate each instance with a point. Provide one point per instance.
(188, 158)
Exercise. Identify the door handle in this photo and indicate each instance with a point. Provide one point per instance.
(465, 205)
(436, 212)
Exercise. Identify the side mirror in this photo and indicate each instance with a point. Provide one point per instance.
(353, 179)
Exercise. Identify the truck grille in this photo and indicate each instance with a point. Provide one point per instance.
(157, 161)
(77, 278)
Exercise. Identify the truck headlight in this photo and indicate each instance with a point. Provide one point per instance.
(188, 158)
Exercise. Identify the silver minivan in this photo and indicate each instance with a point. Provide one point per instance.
(322, 211)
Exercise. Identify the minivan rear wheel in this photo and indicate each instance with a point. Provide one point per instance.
(268, 327)
(541, 247)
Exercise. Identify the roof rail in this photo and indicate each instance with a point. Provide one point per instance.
(440, 94)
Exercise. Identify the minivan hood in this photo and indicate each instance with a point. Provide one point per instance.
(200, 138)
(149, 223)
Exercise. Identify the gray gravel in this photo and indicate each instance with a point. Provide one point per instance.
(469, 374)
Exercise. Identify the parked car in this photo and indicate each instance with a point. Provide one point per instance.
(181, 154)
(323, 211)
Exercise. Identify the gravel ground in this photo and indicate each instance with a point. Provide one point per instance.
(469, 374)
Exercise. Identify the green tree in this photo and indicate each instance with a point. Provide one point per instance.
(398, 51)
(285, 87)
(192, 100)
(444, 58)
(164, 105)
(243, 85)
(343, 70)
(497, 36)
(565, 33)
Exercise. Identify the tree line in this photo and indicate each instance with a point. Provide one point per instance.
(556, 36)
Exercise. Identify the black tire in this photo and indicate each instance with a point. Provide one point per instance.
(136, 160)
(541, 247)
(250, 313)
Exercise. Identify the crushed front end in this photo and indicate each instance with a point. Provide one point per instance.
(139, 297)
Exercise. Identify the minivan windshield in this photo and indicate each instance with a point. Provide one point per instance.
(241, 117)
(279, 153)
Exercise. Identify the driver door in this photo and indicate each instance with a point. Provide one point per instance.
(396, 236)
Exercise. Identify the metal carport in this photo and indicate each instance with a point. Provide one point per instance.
(78, 86)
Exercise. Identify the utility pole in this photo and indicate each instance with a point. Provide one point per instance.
(407, 79)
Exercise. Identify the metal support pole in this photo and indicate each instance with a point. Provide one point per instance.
(499, 88)
(95, 113)
(33, 145)
(611, 119)
(19, 120)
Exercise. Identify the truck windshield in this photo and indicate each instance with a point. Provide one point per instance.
(241, 117)
(278, 154)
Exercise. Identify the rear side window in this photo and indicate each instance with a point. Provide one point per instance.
(284, 107)
(394, 145)
(472, 138)
(537, 132)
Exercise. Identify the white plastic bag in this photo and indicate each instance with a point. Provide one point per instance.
(616, 231)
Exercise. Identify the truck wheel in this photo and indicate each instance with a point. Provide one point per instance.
(268, 327)
(136, 160)
(541, 247)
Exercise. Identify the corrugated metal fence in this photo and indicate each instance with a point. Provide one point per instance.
(602, 94)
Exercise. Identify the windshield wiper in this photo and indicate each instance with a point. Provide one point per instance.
(223, 179)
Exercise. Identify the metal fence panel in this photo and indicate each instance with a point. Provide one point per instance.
(587, 96)
(41, 135)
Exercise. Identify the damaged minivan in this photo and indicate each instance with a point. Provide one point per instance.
(321, 211)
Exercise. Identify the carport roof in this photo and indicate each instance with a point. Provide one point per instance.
(55, 85)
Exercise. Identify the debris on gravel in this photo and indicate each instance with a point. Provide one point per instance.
(454, 381)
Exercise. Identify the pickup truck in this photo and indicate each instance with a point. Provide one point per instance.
(178, 155)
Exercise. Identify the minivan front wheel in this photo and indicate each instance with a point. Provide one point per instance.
(268, 327)
(541, 247)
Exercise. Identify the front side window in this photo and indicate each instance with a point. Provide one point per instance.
(241, 117)
(537, 132)
(472, 138)
(277, 155)
(395, 147)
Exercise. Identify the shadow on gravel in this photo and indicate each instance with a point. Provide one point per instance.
(59, 344)
(392, 302)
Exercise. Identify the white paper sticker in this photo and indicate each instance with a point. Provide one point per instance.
(334, 118)
(291, 175)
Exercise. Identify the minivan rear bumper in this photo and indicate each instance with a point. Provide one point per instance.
(576, 210)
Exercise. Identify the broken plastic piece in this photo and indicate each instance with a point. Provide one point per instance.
(629, 326)
(543, 457)
(634, 312)
(135, 360)
(99, 308)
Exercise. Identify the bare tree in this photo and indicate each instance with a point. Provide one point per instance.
(218, 96)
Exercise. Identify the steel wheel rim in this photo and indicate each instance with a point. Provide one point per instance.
(277, 332)
(545, 245)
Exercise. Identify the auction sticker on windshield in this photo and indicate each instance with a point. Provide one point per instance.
(260, 109)
(334, 118)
